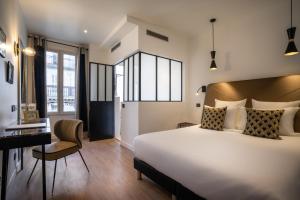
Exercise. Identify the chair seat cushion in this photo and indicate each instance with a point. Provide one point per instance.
(55, 150)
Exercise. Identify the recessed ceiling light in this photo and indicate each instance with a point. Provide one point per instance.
(85, 31)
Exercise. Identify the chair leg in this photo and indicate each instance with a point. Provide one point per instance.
(66, 161)
(54, 177)
(37, 160)
(84, 162)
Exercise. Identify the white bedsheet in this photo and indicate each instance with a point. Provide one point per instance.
(226, 164)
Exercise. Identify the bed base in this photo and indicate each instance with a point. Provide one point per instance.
(178, 191)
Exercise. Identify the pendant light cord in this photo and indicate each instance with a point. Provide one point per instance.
(213, 36)
(291, 13)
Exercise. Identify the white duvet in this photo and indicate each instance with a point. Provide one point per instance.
(225, 164)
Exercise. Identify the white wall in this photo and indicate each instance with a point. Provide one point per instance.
(129, 124)
(98, 54)
(129, 45)
(11, 21)
(248, 46)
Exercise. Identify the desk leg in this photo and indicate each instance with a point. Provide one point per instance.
(22, 159)
(4, 173)
(44, 172)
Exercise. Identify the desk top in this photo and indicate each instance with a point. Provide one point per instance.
(37, 123)
(26, 137)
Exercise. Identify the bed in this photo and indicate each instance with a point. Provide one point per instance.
(195, 163)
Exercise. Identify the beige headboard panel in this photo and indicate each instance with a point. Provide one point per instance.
(284, 88)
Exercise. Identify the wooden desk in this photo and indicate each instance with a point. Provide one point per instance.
(12, 139)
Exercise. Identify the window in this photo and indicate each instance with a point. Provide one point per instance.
(61, 84)
(52, 81)
(150, 77)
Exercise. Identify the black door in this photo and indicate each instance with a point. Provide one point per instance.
(101, 113)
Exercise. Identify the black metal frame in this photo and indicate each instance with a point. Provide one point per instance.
(171, 185)
(156, 86)
(105, 91)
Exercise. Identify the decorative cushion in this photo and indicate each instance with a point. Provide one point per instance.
(286, 126)
(213, 118)
(263, 123)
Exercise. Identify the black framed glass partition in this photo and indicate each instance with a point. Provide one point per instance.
(148, 77)
(101, 82)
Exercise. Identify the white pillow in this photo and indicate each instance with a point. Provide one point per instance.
(286, 126)
(273, 105)
(241, 119)
(220, 103)
(232, 112)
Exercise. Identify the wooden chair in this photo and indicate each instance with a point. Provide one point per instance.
(68, 132)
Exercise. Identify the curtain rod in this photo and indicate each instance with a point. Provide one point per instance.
(47, 40)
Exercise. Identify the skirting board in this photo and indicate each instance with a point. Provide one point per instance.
(127, 146)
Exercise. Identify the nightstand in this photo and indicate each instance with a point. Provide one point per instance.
(185, 124)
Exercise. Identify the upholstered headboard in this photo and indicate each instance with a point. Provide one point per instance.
(284, 88)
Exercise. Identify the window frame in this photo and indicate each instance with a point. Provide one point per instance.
(156, 75)
(60, 82)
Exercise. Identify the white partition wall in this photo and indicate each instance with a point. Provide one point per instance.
(101, 82)
(148, 77)
(163, 79)
(130, 79)
(126, 80)
(176, 81)
(93, 82)
(109, 83)
(136, 76)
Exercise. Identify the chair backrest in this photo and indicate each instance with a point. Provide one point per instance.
(69, 130)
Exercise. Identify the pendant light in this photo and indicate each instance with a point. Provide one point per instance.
(291, 48)
(213, 65)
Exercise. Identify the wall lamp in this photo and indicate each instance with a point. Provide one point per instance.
(202, 88)
(28, 51)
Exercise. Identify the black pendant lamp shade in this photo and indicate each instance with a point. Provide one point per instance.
(291, 48)
(213, 65)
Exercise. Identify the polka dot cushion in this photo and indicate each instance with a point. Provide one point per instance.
(213, 118)
(263, 123)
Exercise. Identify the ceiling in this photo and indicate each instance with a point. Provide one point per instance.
(66, 19)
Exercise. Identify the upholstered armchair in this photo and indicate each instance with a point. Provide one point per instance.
(69, 133)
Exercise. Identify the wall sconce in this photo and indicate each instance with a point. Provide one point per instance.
(28, 51)
(203, 89)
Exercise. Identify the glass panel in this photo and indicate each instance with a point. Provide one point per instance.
(119, 80)
(126, 80)
(69, 87)
(109, 88)
(93, 82)
(101, 82)
(175, 81)
(148, 78)
(136, 77)
(51, 79)
(130, 79)
(163, 79)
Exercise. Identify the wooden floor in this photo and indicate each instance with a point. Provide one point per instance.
(111, 176)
